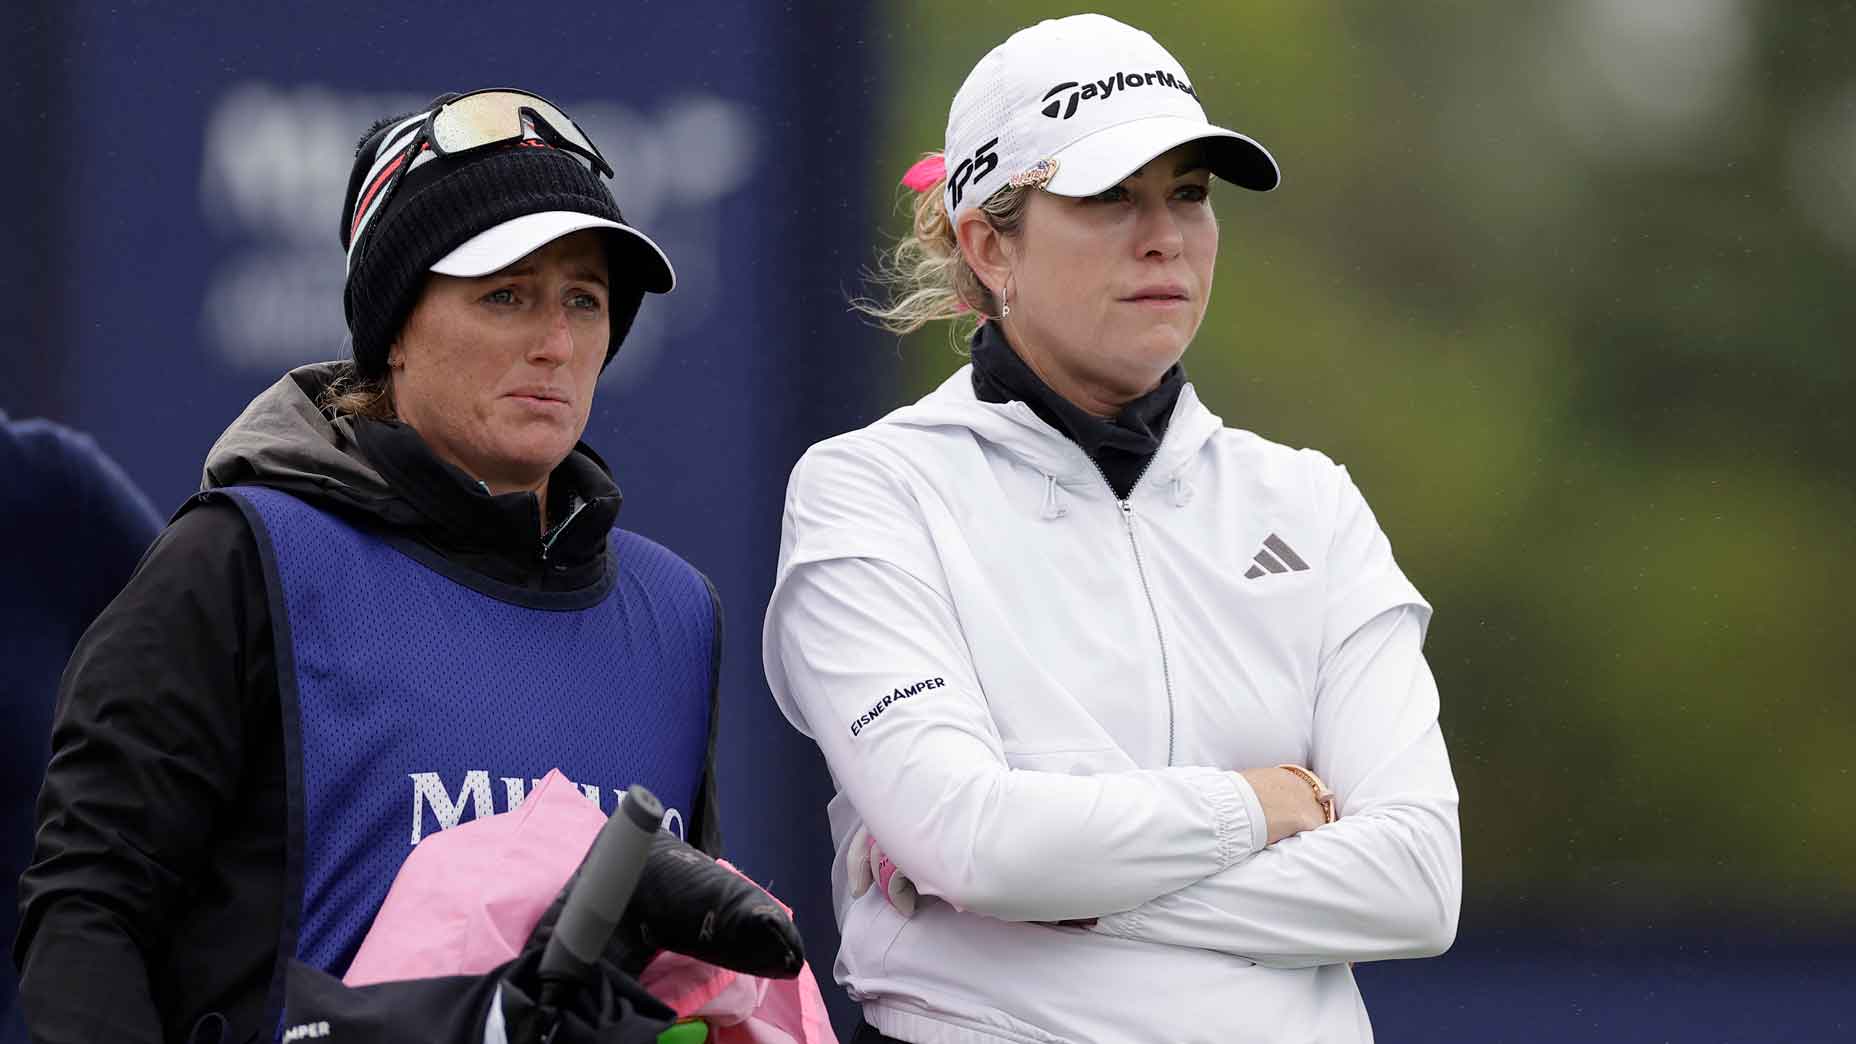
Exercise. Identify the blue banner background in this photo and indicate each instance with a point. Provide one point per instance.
(180, 252)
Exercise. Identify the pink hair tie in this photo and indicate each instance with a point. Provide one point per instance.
(927, 172)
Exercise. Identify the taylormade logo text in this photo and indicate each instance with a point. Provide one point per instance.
(1063, 99)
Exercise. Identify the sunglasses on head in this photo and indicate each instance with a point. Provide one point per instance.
(478, 120)
(495, 117)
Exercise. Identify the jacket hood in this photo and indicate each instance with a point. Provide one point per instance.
(1016, 429)
(284, 441)
(384, 471)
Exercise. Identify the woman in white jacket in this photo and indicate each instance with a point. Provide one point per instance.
(1081, 658)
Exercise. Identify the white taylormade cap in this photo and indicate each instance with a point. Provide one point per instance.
(502, 245)
(1077, 104)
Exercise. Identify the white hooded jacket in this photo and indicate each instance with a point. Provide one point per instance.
(1038, 698)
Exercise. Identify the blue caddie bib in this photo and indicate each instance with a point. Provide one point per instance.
(417, 695)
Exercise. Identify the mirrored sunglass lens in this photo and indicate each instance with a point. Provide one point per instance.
(483, 119)
(562, 126)
(470, 122)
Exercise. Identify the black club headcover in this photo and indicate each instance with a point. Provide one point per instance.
(688, 903)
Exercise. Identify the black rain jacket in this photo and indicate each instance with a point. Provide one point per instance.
(155, 895)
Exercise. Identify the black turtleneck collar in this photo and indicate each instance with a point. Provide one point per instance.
(498, 536)
(1121, 446)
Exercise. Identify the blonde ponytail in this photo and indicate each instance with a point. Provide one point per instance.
(925, 276)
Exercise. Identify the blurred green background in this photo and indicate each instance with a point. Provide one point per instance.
(1566, 287)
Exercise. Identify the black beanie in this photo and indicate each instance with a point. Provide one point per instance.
(447, 200)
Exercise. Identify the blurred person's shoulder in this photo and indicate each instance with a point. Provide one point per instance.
(41, 457)
(58, 477)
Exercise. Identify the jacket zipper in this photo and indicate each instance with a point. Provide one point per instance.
(1140, 568)
(547, 542)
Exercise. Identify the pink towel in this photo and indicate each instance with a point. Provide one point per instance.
(467, 898)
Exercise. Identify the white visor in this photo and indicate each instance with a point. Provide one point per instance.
(1099, 161)
(503, 245)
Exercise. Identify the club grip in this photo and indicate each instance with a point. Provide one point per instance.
(607, 879)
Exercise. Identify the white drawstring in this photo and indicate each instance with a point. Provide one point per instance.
(1053, 506)
(1182, 490)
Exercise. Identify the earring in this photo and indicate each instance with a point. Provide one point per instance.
(1005, 298)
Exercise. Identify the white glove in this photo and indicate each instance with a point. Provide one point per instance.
(868, 865)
